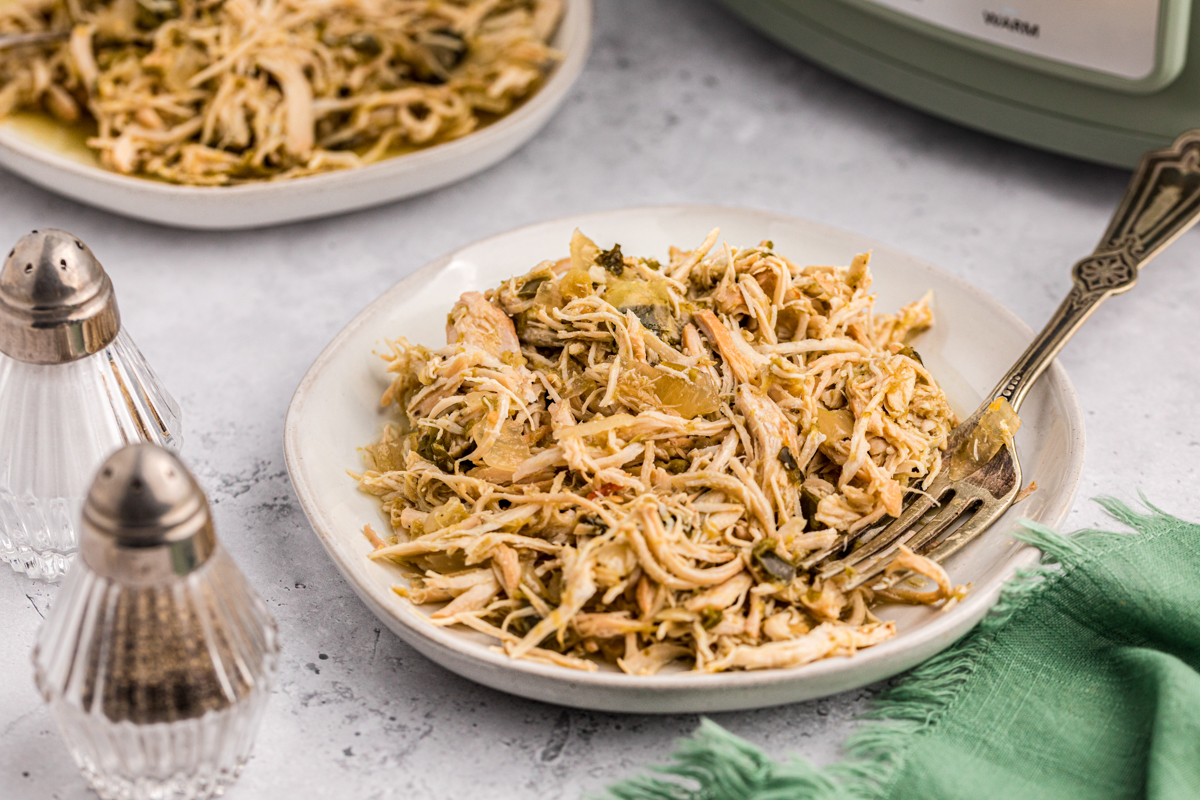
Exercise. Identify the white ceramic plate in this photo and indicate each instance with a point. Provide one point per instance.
(973, 342)
(59, 161)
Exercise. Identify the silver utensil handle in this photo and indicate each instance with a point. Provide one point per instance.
(8, 40)
(1162, 201)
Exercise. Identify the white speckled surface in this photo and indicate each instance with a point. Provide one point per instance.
(678, 104)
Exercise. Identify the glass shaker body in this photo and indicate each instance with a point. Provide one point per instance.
(157, 657)
(58, 422)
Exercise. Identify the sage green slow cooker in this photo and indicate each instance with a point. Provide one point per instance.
(1103, 80)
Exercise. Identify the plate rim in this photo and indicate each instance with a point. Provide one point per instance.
(546, 100)
(414, 629)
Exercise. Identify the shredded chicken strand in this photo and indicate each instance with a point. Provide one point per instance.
(616, 459)
(216, 92)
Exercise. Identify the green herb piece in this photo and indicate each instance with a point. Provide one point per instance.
(711, 618)
(913, 354)
(530, 287)
(433, 451)
(439, 52)
(612, 260)
(789, 464)
(766, 559)
(678, 466)
(153, 13)
(365, 44)
(809, 501)
(650, 317)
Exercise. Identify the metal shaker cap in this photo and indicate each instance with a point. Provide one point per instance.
(146, 519)
(56, 301)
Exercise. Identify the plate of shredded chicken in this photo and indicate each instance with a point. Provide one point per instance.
(237, 113)
(596, 461)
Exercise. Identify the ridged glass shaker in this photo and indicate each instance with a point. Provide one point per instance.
(157, 656)
(73, 388)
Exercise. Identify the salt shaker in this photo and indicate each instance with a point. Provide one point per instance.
(73, 388)
(157, 656)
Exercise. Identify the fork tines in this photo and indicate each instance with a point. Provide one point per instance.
(976, 501)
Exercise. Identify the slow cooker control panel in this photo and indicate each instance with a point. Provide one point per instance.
(1115, 37)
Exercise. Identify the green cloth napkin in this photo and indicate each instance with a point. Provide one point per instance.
(1082, 683)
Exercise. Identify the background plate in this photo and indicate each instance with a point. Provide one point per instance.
(57, 159)
(974, 340)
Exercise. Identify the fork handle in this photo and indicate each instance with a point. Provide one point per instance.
(1162, 201)
(8, 40)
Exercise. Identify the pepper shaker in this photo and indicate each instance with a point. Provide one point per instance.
(73, 388)
(157, 656)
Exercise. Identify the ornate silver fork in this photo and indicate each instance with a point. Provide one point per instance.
(1162, 201)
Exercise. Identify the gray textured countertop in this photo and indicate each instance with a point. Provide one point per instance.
(679, 103)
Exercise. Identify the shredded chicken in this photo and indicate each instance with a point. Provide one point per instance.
(212, 92)
(619, 459)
